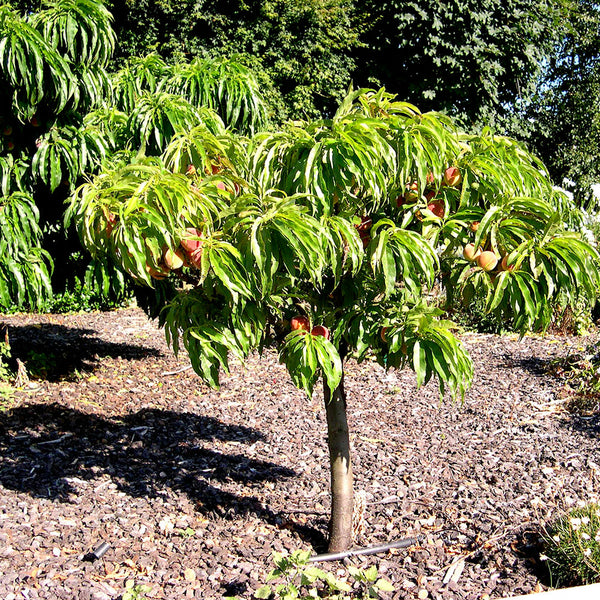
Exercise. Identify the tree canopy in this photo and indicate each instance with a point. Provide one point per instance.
(302, 47)
(471, 58)
(564, 115)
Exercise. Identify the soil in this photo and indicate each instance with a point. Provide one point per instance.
(113, 440)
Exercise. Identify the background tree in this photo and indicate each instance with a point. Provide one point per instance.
(301, 48)
(52, 70)
(470, 58)
(326, 239)
(564, 114)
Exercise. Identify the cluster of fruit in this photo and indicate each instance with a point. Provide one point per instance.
(486, 259)
(452, 178)
(302, 323)
(189, 254)
(9, 143)
(13, 134)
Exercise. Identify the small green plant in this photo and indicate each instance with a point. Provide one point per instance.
(302, 581)
(581, 375)
(135, 591)
(87, 297)
(574, 319)
(188, 532)
(6, 388)
(40, 365)
(4, 354)
(572, 547)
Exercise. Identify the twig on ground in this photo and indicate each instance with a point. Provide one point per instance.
(180, 370)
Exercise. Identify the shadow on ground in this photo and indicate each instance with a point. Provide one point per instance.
(45, 449)
(55, 352)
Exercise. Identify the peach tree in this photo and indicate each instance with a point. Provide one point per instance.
(336, 240)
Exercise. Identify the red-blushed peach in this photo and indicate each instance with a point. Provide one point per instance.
(504, 266)
(155, 273)
(437, 208)
(452, 176)
(365, 223)
(192, 242)
(470, 253)
(487, 260)
(173, 259)
(320, 330)
(299, 322)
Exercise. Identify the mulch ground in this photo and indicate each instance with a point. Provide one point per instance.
(115, 442)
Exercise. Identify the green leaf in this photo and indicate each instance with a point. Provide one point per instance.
(263, 592)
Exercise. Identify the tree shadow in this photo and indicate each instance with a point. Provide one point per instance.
(56, 352)
(48, 450)
(533, 364)
(44, 448)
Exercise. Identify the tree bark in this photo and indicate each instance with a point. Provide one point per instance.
(338, 439)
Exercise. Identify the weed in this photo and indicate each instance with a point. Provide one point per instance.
(186, 533)
(581, 375)
(6, 388)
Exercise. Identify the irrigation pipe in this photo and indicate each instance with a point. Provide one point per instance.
(405, 543)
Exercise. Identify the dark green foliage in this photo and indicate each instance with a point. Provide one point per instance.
(565, 112)
(302, 47)
(52, 70)
(468, 57)
(62, 114)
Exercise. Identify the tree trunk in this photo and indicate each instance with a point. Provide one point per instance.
(338, 439)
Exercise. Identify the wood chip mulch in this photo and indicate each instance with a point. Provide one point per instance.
(113, 440)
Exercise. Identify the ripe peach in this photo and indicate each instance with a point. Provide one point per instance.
(383, 333)
(410, 197)
(173, 259)
(504, 266)
(111, 221)
(487, 260)
(155, 273)
(437, 208)
(320, 330)
(452, 176)
(470, 253)
(365, 224)
(191, 242)
(474, 226)
(299, 322)
(194, 259)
